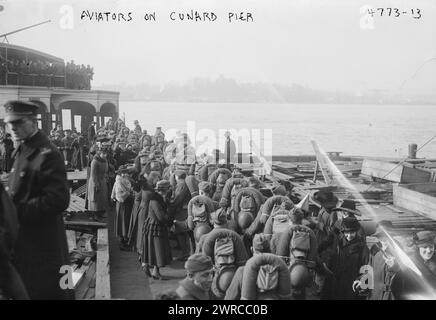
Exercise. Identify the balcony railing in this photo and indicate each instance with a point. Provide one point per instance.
(34, 80)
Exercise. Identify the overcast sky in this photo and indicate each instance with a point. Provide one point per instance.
(318, 43)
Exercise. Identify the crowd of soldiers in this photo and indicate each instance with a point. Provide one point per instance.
(76, 76)
(239, 237)
(22, 67)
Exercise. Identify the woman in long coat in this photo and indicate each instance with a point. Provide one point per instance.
(157, 251)
(98, 194)
(122, 194)
(139, 214)
(133, 225)
(350, 255)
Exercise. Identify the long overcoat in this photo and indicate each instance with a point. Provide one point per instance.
(38, 187)
(97, 185)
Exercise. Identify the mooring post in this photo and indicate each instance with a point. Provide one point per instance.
(413, 148)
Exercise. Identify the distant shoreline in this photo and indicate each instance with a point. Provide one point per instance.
(417, 103)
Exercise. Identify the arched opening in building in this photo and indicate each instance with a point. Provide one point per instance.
(44, 117)
(76, 115)
(107, 111)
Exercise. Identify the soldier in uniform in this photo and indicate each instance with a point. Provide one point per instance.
(197, 284)
(68, 146)
(38, 187)
(11, 285)
(178, 209)
(137, 129)
(91, 132)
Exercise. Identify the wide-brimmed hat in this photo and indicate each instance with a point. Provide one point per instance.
(325, 198)
(350, 224)
(424, 237)
(348, 206)
(383, 227)
(123, 170)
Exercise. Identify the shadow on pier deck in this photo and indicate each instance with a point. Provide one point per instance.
(128, 281)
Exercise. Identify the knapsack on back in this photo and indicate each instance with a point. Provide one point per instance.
(199, 212)
(300, 239)
(234, 192)
(247, 203)
(267, 278)
(224, 251)
(280, 223)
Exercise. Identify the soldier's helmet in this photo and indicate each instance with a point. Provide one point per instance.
(245, 219)
(300, 276)
(201, 229)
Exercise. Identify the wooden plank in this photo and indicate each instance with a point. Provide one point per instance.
(76, 175)
(79, 274)
(102, 280)
(71, 239)
(323, 165)
(394, 172)
(95, 224)
(382, 170)
(415, 201)
(85, 284)
(76, 204)
(394, 209)
(415, 175)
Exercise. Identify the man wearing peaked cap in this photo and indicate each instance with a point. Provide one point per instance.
(18, 110)
(38, 187)
(197, 284)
